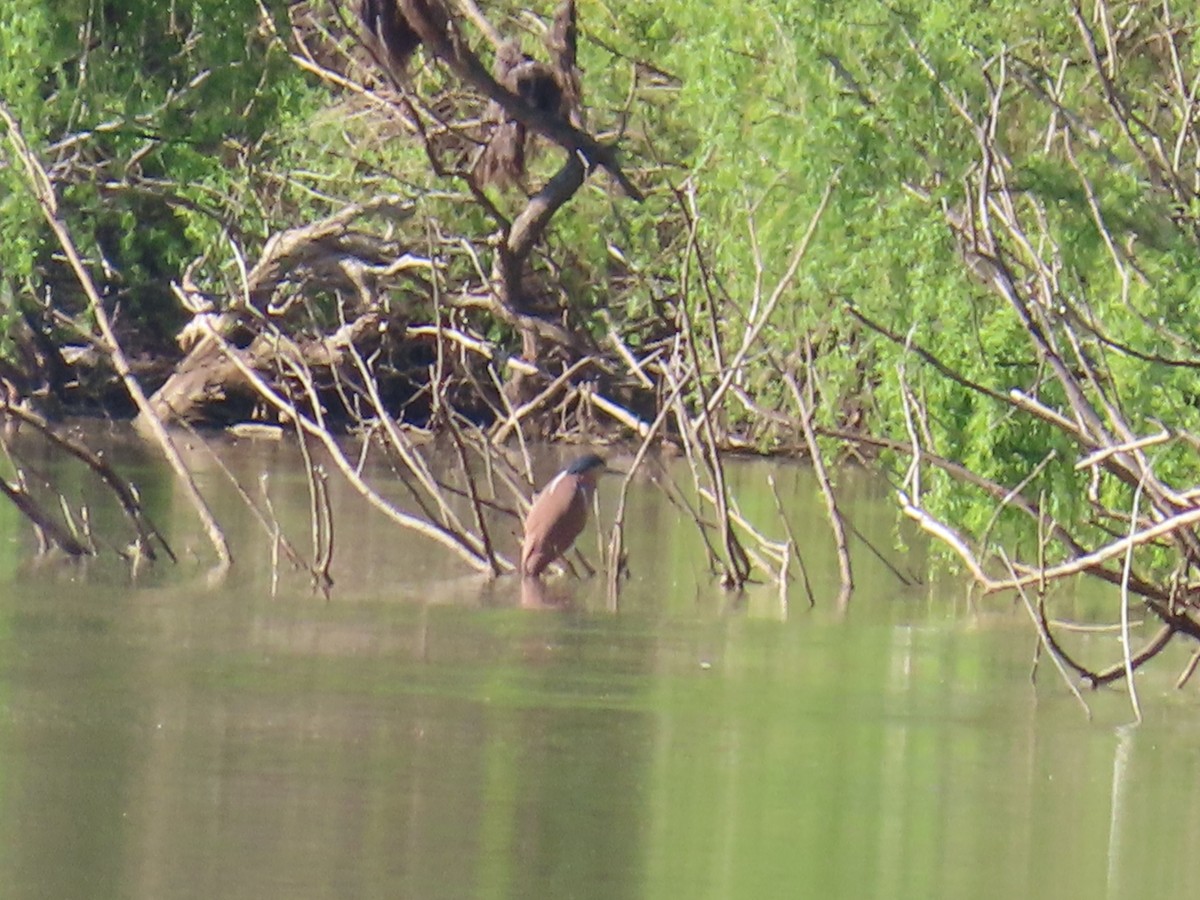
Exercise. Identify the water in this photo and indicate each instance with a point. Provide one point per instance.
(422, 735)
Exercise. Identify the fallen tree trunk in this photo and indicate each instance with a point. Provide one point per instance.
(210, 385)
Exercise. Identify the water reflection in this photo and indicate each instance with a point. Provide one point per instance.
(537, 594)
(428, 734)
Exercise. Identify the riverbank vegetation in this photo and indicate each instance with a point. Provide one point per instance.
(960, 245)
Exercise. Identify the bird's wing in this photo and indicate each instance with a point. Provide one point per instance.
(555, 504)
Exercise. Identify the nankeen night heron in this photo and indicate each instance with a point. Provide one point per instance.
(558, 514)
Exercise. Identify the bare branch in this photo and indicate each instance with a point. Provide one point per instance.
(39, 183)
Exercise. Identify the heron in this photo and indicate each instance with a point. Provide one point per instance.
(559, 514)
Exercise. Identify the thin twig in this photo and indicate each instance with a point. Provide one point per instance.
(1048, 642)
(794, 544)
(845, 571)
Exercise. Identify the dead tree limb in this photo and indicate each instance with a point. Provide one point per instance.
(148, 535)
(315, 426)
(440, 35)
(46, 524)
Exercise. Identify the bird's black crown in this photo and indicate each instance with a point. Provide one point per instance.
(585, 464)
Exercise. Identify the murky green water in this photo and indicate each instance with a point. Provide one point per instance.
(421, 735)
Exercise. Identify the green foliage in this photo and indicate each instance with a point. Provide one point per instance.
(775, 97)
(24, 33)
(154, 117)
